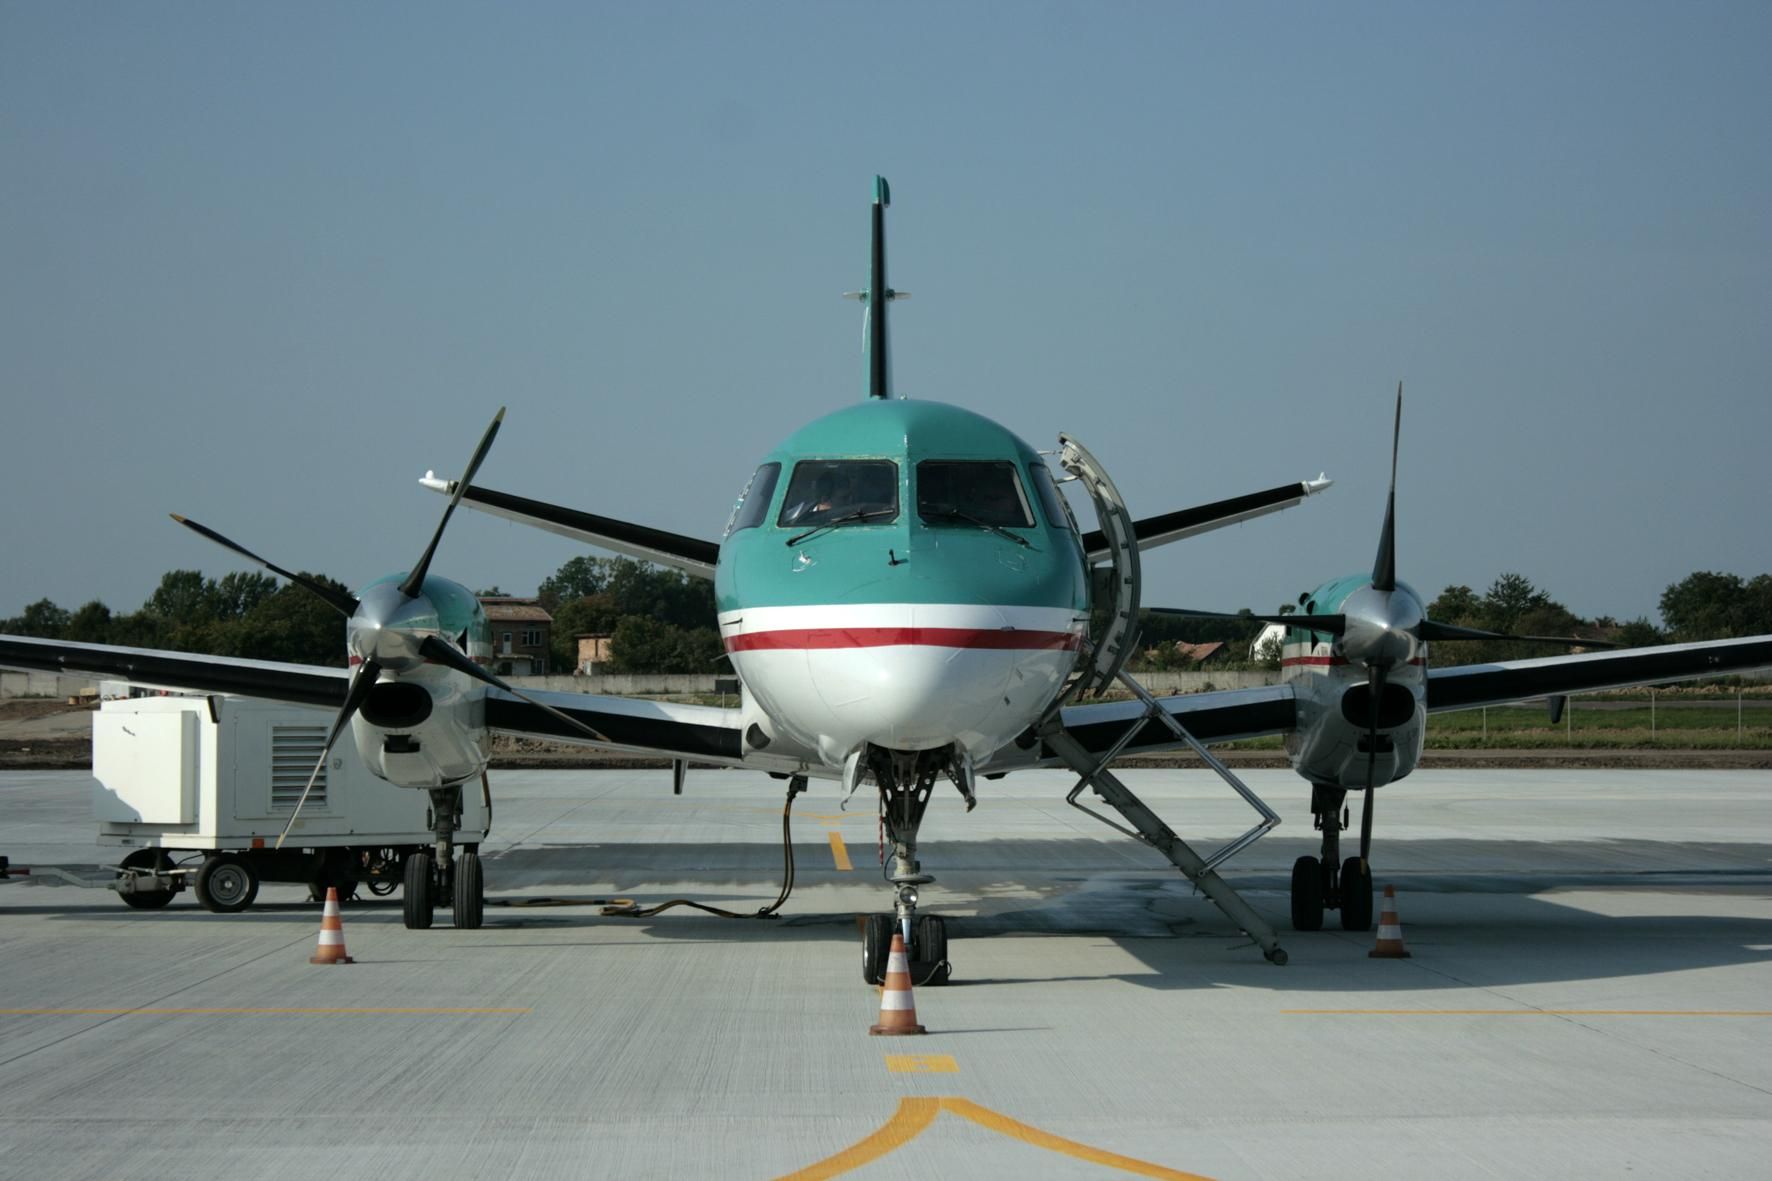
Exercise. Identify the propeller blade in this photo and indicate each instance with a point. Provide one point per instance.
(361, 684)
(1384, 570)
(1432, 631)
(416, 579)
(445, 653)
(1332, 625)
(343, 601)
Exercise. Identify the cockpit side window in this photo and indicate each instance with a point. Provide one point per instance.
(841, 492)
(753, 502)
(984, 492)
(1058, 514)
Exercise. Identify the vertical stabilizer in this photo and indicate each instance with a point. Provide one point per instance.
(1384, 568)
(876, 297)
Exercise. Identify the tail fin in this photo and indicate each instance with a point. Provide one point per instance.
(1384, 569)
(875, 299)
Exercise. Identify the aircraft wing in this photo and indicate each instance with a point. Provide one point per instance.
(303, 684)
(704, 732)
(701, 732)
(1468, 686)
(1222, 716)
(1188, 522)
(688, 554)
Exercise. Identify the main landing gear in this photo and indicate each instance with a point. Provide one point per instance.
(906, 780)
(440, 877)
(1319, 884)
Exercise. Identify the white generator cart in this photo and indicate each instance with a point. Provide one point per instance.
(201, 787)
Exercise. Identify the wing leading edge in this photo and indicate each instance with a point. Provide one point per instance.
(1468, 686)
(689, 554)
(1190, 522)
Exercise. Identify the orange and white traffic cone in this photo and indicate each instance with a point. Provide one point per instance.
(898, 1011)
(332, 934)
(1390, 931)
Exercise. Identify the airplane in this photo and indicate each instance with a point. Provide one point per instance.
(906, 597)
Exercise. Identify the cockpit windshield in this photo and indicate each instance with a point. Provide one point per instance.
(982, 492)
(841, 491)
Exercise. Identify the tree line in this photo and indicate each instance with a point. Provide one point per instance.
(663, 621)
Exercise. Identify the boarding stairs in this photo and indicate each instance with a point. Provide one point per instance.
(1115, 582)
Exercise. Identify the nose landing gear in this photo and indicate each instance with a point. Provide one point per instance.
(1319, 884)
(440, 878)
(906, 780)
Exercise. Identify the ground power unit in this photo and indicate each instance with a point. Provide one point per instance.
(200, 788)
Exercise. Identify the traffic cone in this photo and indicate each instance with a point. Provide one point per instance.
(1390, 931)
(898, 1012)
(332, 934)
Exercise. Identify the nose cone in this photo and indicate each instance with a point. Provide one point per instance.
(1382, 627)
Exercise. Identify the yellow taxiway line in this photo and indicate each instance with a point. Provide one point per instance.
(840, 851)
(915, 1114)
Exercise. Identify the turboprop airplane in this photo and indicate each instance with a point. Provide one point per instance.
(905, 596)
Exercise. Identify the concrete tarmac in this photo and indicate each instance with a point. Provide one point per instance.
(1589, 995)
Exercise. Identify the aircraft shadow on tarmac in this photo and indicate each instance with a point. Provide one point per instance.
(1474, 913)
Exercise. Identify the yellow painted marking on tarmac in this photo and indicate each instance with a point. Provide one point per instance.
(839, 852)
(914, 1115)
(1760, 1013)
(922, 1064)
(263, 1012)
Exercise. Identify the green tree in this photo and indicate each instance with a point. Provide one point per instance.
(1456, 604)
(91, 624)
(1640, 633)
(42, 619)
(1707, 606)
(586, 615)
(644, 645)
(576, 579)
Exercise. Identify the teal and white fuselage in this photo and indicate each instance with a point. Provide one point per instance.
(947, 610)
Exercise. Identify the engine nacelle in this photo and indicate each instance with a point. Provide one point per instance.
(423, 729)
(1330, 743)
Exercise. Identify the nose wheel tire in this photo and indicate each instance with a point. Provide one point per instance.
(226, 884)
(418, 903)
(1307, 894)
(876, 947)
(929, 946)
(1356, 895)
(469, 892)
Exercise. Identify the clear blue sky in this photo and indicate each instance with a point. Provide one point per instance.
(266, 264)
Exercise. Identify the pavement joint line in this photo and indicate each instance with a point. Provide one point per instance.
(265, 1012)
(916, 1113)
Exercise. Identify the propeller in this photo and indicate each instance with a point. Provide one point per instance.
(415, 580)
(392, 632)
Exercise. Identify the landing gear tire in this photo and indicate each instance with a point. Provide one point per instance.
(929, 944)
(1356, 895)
(469, 893)
(226, 884)
(147, 899)
(1307, 894)
(417, 902)
(876, 947)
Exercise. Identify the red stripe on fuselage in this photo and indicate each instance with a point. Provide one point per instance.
(882, 637)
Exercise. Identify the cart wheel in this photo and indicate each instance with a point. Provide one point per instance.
(226, 884)
(147, 899)
(417, 904)
(469, 892)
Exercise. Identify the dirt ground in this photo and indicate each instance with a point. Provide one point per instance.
(41, 734)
